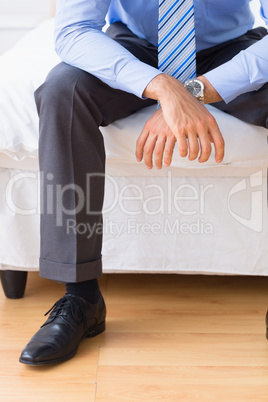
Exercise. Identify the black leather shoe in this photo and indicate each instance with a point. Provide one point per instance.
(71, 319)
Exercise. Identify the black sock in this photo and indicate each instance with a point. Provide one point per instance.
(89, 290)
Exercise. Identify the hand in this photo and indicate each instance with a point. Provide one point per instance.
(192, 126)
(156, 138)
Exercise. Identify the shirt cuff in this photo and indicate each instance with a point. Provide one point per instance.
(230, 81)
(135, 76)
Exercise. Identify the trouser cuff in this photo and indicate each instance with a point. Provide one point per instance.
(70, 272)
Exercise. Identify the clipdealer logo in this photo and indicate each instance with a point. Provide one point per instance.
(174, 199)
(255, 221)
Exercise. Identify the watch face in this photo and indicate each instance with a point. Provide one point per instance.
(194, 87)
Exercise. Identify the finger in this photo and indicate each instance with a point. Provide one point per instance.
(205, 146)
(140, 143)
(169, 149)
(210, 137)
(193, 146)
(182, 145)
(159, 151)
(218, 141)
(148, 151)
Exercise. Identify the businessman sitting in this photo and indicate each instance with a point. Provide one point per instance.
(179, 53)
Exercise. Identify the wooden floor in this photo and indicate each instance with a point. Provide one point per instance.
(168, 338)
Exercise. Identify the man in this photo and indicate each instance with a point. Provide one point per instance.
(105, 77)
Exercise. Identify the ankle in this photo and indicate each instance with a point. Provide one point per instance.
(89, 290)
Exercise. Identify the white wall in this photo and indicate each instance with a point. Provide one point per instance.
(255, 7)
(17, 17)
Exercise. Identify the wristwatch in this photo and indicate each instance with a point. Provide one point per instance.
(196, 88)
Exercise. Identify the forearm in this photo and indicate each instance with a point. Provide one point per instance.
(210, 93)
(158, 89)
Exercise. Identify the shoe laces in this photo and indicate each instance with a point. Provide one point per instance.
(67, 302)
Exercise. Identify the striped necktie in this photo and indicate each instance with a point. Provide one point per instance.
(176, 39)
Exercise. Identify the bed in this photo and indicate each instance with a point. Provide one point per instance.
(189, 218)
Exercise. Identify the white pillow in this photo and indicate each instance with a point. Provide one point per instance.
(22, 70)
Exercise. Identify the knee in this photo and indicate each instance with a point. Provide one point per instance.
(59, 85)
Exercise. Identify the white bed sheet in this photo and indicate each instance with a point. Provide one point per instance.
(209, 230)
(237, 244)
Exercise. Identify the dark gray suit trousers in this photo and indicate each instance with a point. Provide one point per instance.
(72, 105)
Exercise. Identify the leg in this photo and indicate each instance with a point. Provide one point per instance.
(250, 107)
(72, 104)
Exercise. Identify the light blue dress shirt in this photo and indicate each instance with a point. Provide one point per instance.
(81, 42)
